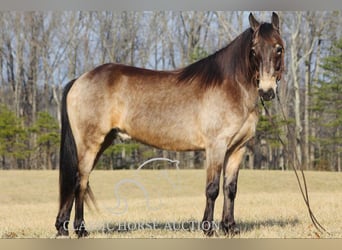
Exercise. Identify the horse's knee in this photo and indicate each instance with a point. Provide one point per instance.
(230, 188)
(212, 190)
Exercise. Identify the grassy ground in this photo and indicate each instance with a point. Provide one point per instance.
(170, 203)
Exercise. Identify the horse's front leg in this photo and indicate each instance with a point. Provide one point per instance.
(214, 160)
(230, 175)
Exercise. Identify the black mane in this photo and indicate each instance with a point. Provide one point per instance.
(227, 62)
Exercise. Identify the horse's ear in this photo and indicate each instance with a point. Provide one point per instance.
(275, 21)
(253, 22)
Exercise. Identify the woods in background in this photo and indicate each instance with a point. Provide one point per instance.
(41, 51)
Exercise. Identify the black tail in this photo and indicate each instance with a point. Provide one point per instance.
(68, 154)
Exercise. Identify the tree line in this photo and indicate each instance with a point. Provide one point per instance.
(41, 51)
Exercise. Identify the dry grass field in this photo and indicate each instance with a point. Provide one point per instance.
(170, 203)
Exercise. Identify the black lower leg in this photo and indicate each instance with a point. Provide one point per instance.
(79, 224)
(212, 192)
(228, 223)
(63, 217)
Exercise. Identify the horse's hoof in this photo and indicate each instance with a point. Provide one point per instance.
(209, 233)
(62, 232)
(235, 230)
(82, 233)
(230, 230)
(208, 228)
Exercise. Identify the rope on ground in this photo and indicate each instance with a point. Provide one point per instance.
(301, 182)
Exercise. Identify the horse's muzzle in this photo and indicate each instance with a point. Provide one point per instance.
(268, 95)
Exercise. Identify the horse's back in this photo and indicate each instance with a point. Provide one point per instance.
(148, 105)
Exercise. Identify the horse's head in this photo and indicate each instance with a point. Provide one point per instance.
(267, 55)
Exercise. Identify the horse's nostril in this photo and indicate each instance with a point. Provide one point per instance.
(268, 95)
(271, 94)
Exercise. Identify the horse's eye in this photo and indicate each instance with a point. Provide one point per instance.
(279, 50)
(253, 53)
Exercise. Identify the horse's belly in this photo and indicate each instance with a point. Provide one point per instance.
(168, 139)
(172, 144)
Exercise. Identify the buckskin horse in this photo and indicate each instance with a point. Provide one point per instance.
(209, 105)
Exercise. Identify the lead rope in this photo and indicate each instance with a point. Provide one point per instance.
(302, 186)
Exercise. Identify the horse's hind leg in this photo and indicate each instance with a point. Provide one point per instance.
(230, 178)
(89, 152)
(85, 166)
(105, 144)
(63, 217)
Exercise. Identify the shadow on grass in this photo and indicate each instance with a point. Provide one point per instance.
(111, 228)
(248, 226)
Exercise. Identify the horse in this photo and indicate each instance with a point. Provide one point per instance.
(210, 105)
